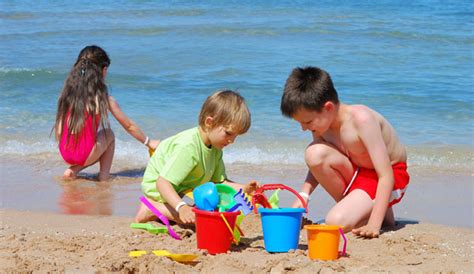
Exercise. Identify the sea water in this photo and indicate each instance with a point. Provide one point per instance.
(412, 62)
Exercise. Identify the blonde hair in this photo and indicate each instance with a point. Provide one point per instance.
(228, 109)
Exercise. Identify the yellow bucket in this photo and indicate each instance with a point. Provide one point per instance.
(323, 242)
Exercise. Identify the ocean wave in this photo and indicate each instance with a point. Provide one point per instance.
(24, 73)
(452, 158)
(6, 70)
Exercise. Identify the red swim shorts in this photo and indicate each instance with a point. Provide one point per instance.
(367, 180)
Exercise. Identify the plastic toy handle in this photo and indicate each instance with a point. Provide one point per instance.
(230, 229)
(160, 216)
(282, 186)
(343, 253)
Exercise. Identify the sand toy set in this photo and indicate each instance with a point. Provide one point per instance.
(219, 211)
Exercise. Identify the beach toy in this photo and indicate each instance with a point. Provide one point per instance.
(281, 227)
(323, 242)
(226, 197)
(161, 217)
(214, 230)
(206, 196)
(237, 231)
(241, 203)
(189, 193)
(149, 227)
(182, 258)
(136, 253)
(274, 199)
(259, 198)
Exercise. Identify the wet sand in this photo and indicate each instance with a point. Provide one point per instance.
(35, 184)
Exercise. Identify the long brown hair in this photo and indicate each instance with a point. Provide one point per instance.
(84, 92)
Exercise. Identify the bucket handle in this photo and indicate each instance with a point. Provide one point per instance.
(230, 229)
(343, 252)
(259, 198)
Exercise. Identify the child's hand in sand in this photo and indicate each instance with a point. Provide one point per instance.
(367, 231)
(186, 215)
(250, 187)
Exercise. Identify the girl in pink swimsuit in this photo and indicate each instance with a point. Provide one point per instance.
(82, 127)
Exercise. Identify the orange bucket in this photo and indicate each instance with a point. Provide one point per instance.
(323, 242)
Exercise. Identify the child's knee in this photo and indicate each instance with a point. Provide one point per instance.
(316, 155)
(335, 218)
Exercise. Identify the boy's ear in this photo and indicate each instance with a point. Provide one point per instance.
(329, 106)
(209, 122)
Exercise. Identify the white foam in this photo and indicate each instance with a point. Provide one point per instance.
(132, 153)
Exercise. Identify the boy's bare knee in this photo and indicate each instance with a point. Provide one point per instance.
(315, 155)
(336, 218)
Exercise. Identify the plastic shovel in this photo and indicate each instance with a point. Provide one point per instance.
(160, 216)
(184, 258)
(149, 227)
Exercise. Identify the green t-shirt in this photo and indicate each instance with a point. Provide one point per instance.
(185, 161)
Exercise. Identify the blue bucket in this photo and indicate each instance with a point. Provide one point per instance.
(281, 228)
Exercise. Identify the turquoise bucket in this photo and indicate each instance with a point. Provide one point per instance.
(281, 228)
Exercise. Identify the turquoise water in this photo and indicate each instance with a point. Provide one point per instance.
(411, 62)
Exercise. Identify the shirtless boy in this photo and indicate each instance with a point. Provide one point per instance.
(355, 154)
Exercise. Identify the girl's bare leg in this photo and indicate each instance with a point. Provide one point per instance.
(103, 151)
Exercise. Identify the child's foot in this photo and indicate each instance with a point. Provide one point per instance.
(144, 215)
(389, 220)
(69, 174)
(104, 177)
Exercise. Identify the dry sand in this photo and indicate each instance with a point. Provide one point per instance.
(46, 242)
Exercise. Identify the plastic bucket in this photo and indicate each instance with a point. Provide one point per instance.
(323, 241)
(212, 232)
(281, 228)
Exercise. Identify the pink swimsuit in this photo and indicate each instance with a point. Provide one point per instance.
(76, 153)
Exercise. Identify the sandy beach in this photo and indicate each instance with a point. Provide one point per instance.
(60, 243)
(49, 225)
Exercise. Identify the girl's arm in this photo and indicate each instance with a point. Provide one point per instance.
(129, 125)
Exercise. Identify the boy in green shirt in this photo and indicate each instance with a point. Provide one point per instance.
(193, 157)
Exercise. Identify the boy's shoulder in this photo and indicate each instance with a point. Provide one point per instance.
(185, 138)
(361, 114)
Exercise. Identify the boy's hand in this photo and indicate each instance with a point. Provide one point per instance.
(186, 215)
(250, 187)
(367, 231)
(297, 204)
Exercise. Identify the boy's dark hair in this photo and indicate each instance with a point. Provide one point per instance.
(308, 88)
